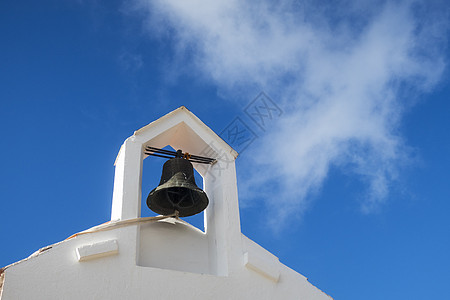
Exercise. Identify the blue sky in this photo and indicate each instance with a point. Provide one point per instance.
(354, 196)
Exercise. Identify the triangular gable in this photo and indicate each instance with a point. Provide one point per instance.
(182, 129)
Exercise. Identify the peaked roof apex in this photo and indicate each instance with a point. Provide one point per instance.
(183, 114)
(174, 112)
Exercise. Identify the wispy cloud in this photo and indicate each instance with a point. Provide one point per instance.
(342, 76)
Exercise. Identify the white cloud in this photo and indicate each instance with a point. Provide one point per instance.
(338, 74)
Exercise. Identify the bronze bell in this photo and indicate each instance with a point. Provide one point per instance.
(177, 190)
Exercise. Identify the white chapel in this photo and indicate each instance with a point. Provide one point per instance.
(164, 257)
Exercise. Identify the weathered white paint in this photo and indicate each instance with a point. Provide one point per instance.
(97, 250)
(165, 259)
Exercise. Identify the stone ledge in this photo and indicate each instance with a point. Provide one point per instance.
(269, 269)
(97, 250)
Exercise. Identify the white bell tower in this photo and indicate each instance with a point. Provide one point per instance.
(181, 129)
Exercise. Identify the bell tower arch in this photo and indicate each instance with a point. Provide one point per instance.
(181, 129)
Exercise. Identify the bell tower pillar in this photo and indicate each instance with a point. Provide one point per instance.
(127, 181)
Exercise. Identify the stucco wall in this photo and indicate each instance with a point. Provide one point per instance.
(174, 246)
(57, 273)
